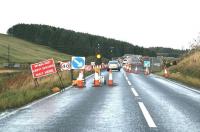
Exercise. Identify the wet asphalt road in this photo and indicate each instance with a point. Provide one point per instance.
(137, 103)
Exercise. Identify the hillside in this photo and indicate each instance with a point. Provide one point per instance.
(167, 52)
(188, 70)
(23, 51)
(75, 43)
(190, 65)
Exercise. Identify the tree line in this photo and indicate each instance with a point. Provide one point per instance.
(168, 52)
(75, 43)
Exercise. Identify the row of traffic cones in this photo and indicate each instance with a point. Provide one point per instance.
(128, 68)
(97, 79)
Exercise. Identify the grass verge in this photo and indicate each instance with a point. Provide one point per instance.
(19, 89)
(185, 79)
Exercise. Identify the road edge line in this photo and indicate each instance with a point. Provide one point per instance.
(178, 84)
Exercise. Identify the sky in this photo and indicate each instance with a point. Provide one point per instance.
(147, 23)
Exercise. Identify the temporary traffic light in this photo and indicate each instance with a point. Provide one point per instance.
(98, 56)
(98, 59)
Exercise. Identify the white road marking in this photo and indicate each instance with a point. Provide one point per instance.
(147, 116)
(129, 83)
(134, 92)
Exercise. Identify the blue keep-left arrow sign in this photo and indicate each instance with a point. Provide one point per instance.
(78, 62)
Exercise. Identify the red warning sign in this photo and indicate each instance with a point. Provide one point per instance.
(43, 68)
(88, 67)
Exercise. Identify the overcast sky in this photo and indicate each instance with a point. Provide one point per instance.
(168, 23)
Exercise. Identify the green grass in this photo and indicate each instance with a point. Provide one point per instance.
(23, 51)
(18, 97)
(189, 66)
(188, 80)
(19, 88)
(187, 70)
(185, 79)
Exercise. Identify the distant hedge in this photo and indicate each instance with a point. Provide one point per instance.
(75, 43)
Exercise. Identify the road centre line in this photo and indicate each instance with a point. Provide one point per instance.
(129, 83)
(134, 92)
(146, 114)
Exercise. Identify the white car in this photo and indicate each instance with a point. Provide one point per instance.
(114, 65)
(125, 61)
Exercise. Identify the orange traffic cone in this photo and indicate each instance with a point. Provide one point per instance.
(146, 71)
(110, 80)
(166, 74)
(96, 79)
(129, 70)
(136, 70)
(80, 79)
(126, 68)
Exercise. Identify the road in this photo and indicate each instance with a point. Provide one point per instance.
(136, 103)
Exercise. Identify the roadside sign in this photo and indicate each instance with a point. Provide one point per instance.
(147, 64)
(78, 62)
(43, 68)
(64, 66)
(93, 63)
(88, 67)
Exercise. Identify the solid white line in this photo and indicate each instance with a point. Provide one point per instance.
(134, 92)
(147, 116)
(177, 83)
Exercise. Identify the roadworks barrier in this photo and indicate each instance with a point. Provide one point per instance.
(128, 68)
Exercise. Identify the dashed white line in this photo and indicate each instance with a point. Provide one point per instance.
(147, 116)
(134, 92)
(129, 83)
